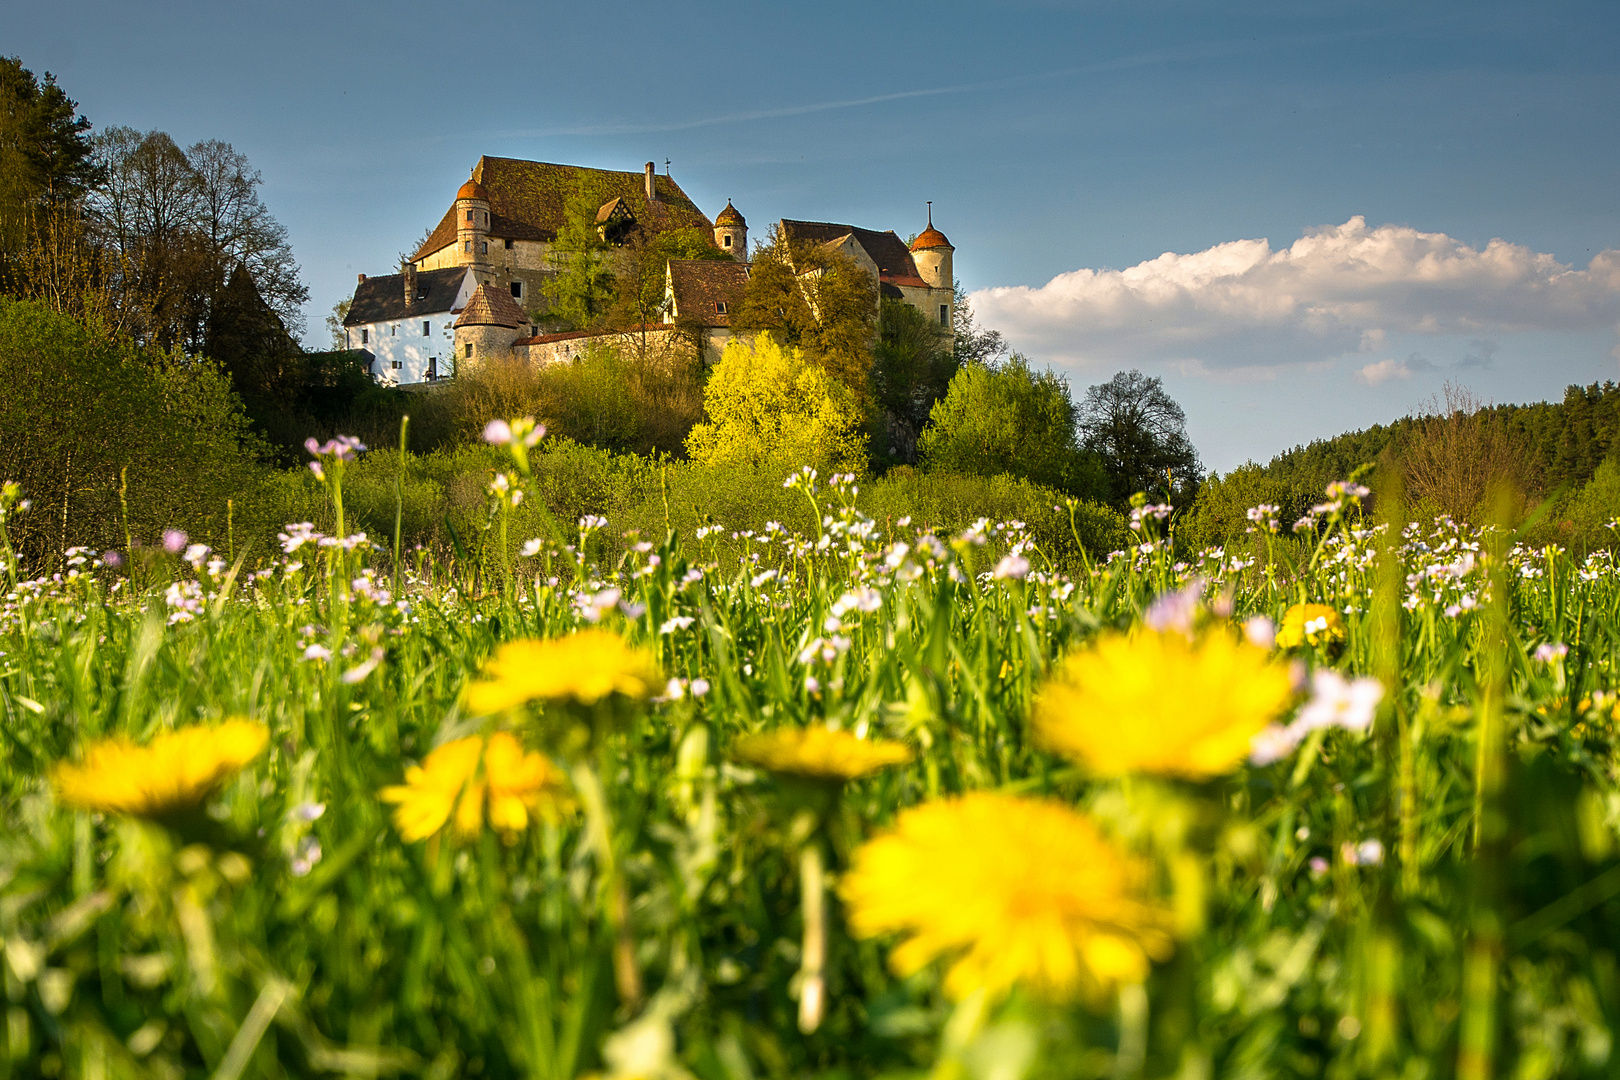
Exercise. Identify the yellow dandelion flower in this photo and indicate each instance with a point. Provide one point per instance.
(1014, 891)
(584, 667)
(176, 771)
(449, 783)
(1160, 703)
(819, 753)
(1315, 623)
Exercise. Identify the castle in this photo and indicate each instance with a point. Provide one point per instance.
(472, 290)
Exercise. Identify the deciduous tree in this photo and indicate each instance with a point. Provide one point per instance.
(768, 406)
(1140, 433)
(817, 300)
(1009, 420)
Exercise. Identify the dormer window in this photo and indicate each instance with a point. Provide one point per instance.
(719, 307)
(421, 292)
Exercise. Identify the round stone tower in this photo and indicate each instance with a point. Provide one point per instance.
(731, 233)
(932, 254)
(472, 226)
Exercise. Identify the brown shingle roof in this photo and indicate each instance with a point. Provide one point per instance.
(380, 299)
(527, 200)
(492, 307)
(885, 248)
(703, 286)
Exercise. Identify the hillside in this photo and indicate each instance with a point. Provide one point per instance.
(1547, 450)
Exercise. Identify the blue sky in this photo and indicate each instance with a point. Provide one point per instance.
(1379, 148)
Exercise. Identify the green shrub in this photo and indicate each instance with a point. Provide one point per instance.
(82, 413)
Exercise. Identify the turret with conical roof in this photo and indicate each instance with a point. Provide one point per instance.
(731, 233)
(472, 227)
(932, 254)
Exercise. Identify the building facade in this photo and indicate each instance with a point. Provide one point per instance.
(473, 290)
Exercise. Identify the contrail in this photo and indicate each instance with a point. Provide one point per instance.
(1138, 60)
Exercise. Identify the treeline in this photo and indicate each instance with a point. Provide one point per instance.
(167, 250)
(1558, 460)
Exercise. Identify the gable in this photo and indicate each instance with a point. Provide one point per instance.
(886, 250)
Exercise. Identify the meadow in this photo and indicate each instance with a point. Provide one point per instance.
(847, 800)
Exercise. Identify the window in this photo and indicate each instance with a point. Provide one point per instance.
(719, 307)
(486, 218)
(433, 368)
(483, 247)
(726, 242)
(469, 350)
(391, 330)
(395, 364)
(427, 329)
(517, 290)
(508, 245)
(365, 336)
(466, 245)
(944, 314)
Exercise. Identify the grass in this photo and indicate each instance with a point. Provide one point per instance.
(1437, 896)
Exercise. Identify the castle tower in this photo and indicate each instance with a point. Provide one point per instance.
(932, 254)
(731, 233)
(472, 228)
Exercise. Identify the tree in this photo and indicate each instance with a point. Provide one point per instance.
(817, 300)
(1009, 420)
(583, 288)
(45, 152)
(1460, 457)
(973, 343)
(767, 407)
(642, 279)
(912, 367)
(236, 229)
(334, 323)
(1140, 434)
(176, 224)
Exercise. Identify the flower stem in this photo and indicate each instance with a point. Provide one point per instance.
(813, 901)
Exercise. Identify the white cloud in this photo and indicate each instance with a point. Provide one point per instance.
(1381, 371)
(1340, 289)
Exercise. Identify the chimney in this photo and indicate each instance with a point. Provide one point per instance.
(407, 271)
(362, 279)
(652, 190)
